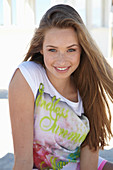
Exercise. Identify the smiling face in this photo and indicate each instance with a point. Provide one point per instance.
(61, 51)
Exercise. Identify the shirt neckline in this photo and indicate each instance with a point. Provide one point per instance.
(67, 100)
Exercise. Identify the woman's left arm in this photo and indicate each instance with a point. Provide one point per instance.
(88, 159)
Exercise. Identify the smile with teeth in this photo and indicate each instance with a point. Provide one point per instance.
(62, 68)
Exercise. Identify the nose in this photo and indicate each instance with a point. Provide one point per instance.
(61, 59)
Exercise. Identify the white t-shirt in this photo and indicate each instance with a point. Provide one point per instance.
(59, 124)
(36, 74)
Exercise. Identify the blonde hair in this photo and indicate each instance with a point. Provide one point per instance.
(93, 77)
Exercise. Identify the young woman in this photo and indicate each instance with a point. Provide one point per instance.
(57, 97)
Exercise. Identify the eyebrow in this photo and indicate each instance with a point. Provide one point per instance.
(67, 47)
(73, 45)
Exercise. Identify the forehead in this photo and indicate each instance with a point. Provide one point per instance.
(61, 35)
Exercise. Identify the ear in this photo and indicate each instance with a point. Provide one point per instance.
(41, 52)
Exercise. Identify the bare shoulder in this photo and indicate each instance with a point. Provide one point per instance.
(21, 107)
(21, 98)
(19, 85)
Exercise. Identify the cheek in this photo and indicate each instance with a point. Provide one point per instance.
(79, 59)
(76, 59)
(47, 60)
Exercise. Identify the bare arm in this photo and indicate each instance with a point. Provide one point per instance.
(88, 159)
(21, 106)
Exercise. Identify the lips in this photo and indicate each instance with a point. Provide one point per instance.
(62, 69)
(59, 68)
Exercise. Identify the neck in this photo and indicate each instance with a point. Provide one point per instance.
(65, 87)
(62, 86)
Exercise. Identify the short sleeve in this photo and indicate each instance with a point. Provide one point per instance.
(32, 73)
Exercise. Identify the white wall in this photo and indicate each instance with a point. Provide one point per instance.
(14, 40)
(102, 36)
(14, 43)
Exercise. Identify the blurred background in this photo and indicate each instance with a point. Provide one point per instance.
(18, 20)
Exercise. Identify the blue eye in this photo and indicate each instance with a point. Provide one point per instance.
(71, 50)
(52, 50)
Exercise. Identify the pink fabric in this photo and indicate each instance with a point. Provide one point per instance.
(99, 168)
(102, 165)
(78, 166)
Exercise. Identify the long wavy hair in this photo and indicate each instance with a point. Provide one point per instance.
(93, 77)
